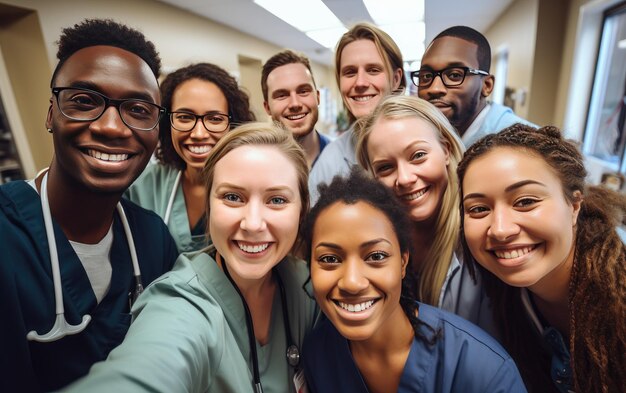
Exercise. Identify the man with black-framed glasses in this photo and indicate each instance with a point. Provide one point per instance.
(454, 76)
(75, 255)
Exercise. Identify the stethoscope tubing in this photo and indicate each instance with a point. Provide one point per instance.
(62, 327)
(291, 347)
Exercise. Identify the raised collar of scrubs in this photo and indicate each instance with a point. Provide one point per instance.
(560, 368)
(476, 124)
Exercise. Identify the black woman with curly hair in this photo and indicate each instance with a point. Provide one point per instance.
(203, 102)
(377, 337)
(552, 261)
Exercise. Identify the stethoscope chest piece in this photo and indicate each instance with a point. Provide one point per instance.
(293, 355)
(62, 327)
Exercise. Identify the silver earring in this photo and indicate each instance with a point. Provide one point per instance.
(50, 130)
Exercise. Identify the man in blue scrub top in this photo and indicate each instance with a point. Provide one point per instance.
(454, 76)
(103, 116)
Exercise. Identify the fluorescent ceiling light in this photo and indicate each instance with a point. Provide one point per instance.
(309, 16)
(403, 20)
(395, 11)
(621, 44)
(327, 37)
(409, 37)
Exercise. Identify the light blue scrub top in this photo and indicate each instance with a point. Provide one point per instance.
(336, 159)
(152, 191)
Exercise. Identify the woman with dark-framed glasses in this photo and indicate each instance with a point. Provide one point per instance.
(203, 102)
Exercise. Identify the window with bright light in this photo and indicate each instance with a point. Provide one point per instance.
(605, 133)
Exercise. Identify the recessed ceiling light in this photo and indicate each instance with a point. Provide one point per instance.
(403, 20)
(312, 17)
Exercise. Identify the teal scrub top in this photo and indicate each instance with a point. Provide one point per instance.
(189, 335)
(152, 191)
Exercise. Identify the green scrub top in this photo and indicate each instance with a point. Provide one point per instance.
(152, 191)
(189, 335)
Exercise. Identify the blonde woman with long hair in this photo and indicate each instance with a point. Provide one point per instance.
(408, 145)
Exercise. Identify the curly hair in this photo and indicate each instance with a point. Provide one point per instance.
(387, 49)
(93, 32)
(437, 262)
(597, 288)
(358, 187)
(238, 104)
(280, 59)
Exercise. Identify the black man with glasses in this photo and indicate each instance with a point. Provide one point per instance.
(75, 255)
(454, 76)
(203, 102)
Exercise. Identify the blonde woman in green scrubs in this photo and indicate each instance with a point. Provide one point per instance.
(191, 331)
(204, 102)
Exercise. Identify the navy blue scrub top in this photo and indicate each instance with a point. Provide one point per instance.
(27, 291)
(464, 359)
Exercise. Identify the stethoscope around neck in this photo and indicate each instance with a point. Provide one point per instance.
(62, 327)
(293, 353)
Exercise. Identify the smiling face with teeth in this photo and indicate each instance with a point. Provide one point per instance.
(254, 210)
(364, 78)
(357, 269)
(292, 98)
(518, 223)
(407, 156)
(199, 97)
(103, 155)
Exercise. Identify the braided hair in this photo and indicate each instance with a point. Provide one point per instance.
(597, 288)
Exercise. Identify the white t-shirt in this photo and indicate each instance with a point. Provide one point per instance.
(95, 258)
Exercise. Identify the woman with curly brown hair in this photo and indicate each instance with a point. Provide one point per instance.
(203, 103)
(552, 261)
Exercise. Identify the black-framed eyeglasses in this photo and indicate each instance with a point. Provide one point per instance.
(82, 104)
(452, 76)
(214, 122)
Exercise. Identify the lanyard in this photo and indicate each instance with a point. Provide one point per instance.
(293, 353)
(61, 327)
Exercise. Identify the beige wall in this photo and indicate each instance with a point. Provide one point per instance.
(538, 37)
(25, 61)
(515, 29)
(546, 68)
(566, 66)
(250, 76)
(181, 38)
